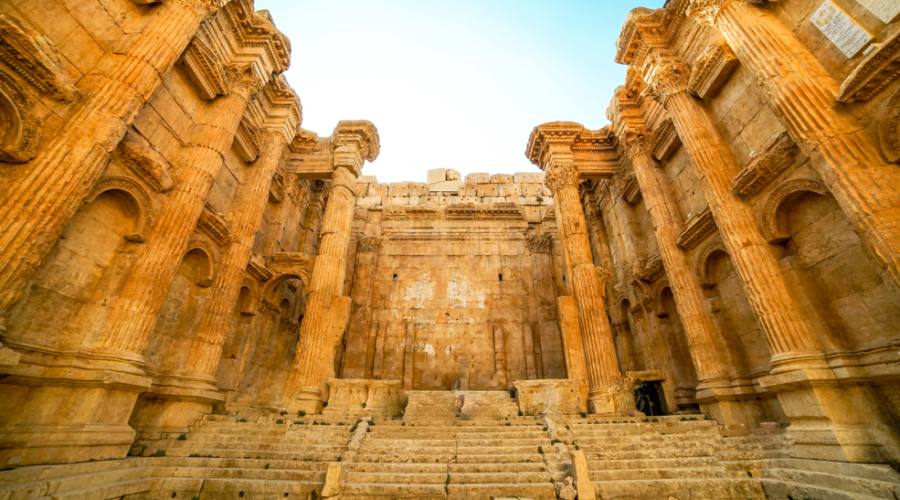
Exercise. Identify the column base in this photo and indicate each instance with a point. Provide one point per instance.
(617, 400)
(171, 406)
(730, 405)
(64, 408)
(830, 421)
(307, 399)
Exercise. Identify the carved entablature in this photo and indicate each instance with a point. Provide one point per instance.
(145, 161)
(291, 263)
(281, 107)
(650, 269)
(256, 269)
(276, 188)
(539, 243)
(712, 70)
(874, 73)
(33, 58)
(593, 151)
(665, 141)
(213, 225)
(696, 229)
(631, 192)
(354, 142)
(205, 70)
(496, 211)
(765, 167)
(641, 32)
(889, 129)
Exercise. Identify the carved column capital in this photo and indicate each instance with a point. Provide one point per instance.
(625, 113)
(242, 80)
(561, 174)
(665, 77)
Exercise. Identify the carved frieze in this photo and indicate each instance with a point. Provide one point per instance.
(874, 73)
(213, 225)
(665, 141)
(276, 188)
(291, 263)
(145, 161)
(205, 69)
(257, 269)
(497, 211)
(712, 70)
(765, 167)
(247, 141)
(34, 59)
(696, 229)
(539, 243)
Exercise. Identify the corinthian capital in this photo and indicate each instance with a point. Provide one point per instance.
(561, 174)
(665, 77)
(625, 113)
(242, 80)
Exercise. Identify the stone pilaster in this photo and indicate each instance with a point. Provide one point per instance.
(608, 395)
(708, 351)
(35, 209)
(803, 96)
(327, 309)
(132, 314)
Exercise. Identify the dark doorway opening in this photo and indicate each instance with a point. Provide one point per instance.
(648, 397)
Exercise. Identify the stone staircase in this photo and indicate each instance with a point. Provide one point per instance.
(449, 456)
(482, 458)
(432, 406)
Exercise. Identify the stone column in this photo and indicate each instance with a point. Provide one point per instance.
(803, 94)
(327, 309)
(822, 422)
(708, 351)
(36, 208)
(133, 312)
(550, 146)
(216, 321)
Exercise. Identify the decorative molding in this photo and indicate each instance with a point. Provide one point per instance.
(247, 141)
(761, 170)
(33, 58)
(889, 129)
(256, 269)
(650, 269)
(213, 225)
(665, 141)
(145, 161)
(712, 70)
(874, 73)
(368, 244)
(539, 243)
(497, 211)
(772, 228)
(205, 69)
(291, 264)
(631, 192)
(696, 229)
(19, 141)
(276, 188)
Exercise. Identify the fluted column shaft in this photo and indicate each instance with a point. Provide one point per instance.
(587, 281)
(250, 203)
(788, 331)
(707, 347)
(313, 360)
(133, 312)
(802, 94)
(36, 208)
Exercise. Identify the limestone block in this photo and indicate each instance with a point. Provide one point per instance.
(478, 178)
(399, 189)
(487, 190)
(528, 178)
(510, 189)
(437, 175)
(501, 179)
(445, 186)
(547, 396)
(532, 189)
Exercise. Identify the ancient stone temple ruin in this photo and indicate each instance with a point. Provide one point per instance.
(201, 299)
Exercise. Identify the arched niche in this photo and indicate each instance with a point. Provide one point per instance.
(774, 222)
(838, 279)
(141, 203)
(82, 269)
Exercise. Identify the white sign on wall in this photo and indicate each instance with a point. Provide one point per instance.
(885, 10)
(841, 29)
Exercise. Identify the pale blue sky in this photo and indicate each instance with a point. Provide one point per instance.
(456, 84)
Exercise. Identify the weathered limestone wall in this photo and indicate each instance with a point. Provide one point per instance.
(454, 283)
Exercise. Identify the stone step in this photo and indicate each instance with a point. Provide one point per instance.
(837, 481)
(248, 473)
(27, 482)
(393, 490)
(726, 489)
(532, 491)
(254, 453)
(650, 454)
(400, 468)
(505, 458)
(216, 489)
(401, 457)
(596, 443)
(397, 477)
(243, 463)
(785, 489)
(524, 467)
(112, 490)
(263, 445)
(657, 473)
(511, 477)
(644, 463)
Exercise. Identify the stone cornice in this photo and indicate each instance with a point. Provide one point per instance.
(145, 161)
(665, 141)
(696, 229)
(213, 225)
(360, 135)
(712, 70)
(765, 167)
(34, 59)
(642, 31)
(874, 73)
(593, 151)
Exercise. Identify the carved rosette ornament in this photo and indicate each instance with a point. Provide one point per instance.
(560, 175)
